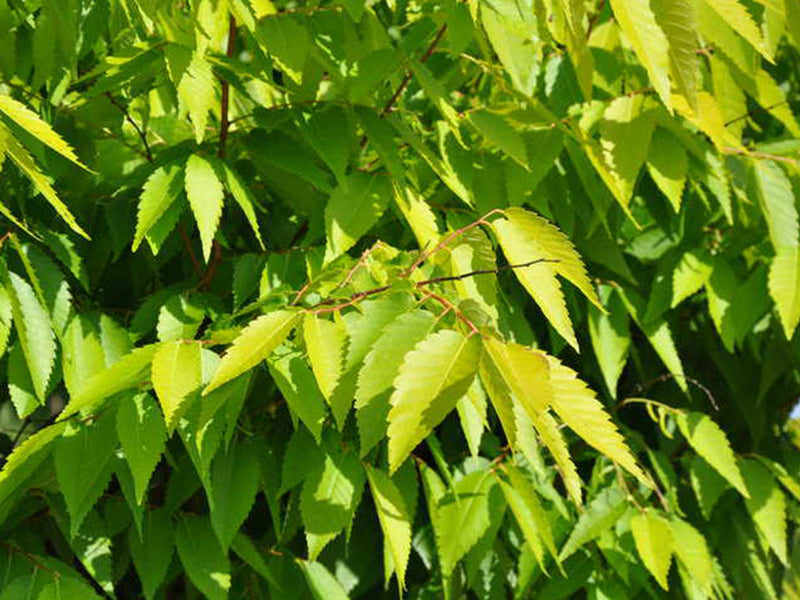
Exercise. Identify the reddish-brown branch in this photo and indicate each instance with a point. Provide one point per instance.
(198, 268)
(449, 306)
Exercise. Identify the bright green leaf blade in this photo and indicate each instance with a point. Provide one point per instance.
(394, 519)
(143, 436)
(255, 343)
(766, 505)
(653, 537)
(774, 191)
(241, 194)
(692, 550)
(159, 192)
(176, 373)
(611, 338)
(205, 561)
(205, 194)
(600, 514)
(26, 457)
(668, 164)
(152, 552)
(501, 133)
(322, 584)
(433, 376)
(235, 476)
(298, 386)
(737, 17)
(325, 342)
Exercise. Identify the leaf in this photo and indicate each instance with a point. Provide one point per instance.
(611, 338)
(246, 550)
(711, 443)
(286, 39)
(299, 388)
(774, 191)
(676, 19)
(384, 359)
(433, 376)
(20, 386)
(127, 373)
(736, 16)
(241, 194)
(179, 318)
(708, 485)
(495, 128)
(31, 123)
(255, 343)
(143, 436)
(205, 194)
(600, 514)
(83, 466)
(196, 90)
(513, 35)
(235, 476)
(472, 415)
(25, 162)
(206, 563)
(329, 499)
(322, 584)
(329, 132)
(462, 516)
(653, 537)
(668, 164)
(176, 373)
(691, 549)
(531, 517)
(638, 21)
(353, 208)
(34, 331)
(766, 505)
(160, 191)
(152, 551)
(578, 407)
(325, 342)
(437, 94)
(27, 457)
(691, 274)
(394, 518)
(526, 237)
(784, 287)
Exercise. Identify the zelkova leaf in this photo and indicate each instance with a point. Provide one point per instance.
(325, 342)
(774, 191)
(711, 443)
(235, 476)
(766, 505)
(30, 122)
(205, 561)
(578, 407)
(676, 19)
(784, 287)
(196, 90)
(353, 208)
(653, 537)
(322, 584)
(432, 378)
(639, 24)
(27, 457)
(737, 17)
(152, 552)
(526, 237)
(160, 190)
(241, 194)
(34, 331)
(142, 435)
(611, 338)
(668, 164)
(600, 514)
(176, 373)
(692, 550)
(394, 518)
(205, 194)
(128, 372)
(495, 128)
(255, 343)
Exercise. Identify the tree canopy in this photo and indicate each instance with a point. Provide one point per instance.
(438, 299)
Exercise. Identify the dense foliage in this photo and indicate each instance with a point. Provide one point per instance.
(300, 300)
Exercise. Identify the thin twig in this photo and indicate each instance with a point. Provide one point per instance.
(19, 431)
(640, 387)
(761, 155)
(142, 134)
(449, 305)
(750, 113)
(485, 271)
(595, 18)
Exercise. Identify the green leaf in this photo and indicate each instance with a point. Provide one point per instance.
(784, 287)
(329, 132)
(325, 342)
(179, 318)
(462, 516)
(691, 549)
(247, 551)
(196, 90)
(611, 338)
(653, 537)
(152, 551)
(34, 331)
(578, 407)
(286, 40)
(676, 19)
(322, 584)
(84, 466)
(353, 208)
(366, 326)
(711, 443)
(668, 164)
(255, 343)
(501, 133)
(235, 478)
(176, 373)
(27, 457)
(691, 274)
(774, 191)
(83, 352)
(329, 499)
(472, 414)
(143, 436)
(20, 386)
(433, 376)
(127, 373)
(31, 123)
(513, 34)
(708, 485)
(299, 388)
(436, 93)
(241, 194)
(738, 18)
(394, 518)
(600, 514)
(766, 505)
(384, 359)
(160, 191)
(205, 561)
(638, 21)
(205, 194)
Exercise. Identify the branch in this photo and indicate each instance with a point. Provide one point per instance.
(147, 153)
(486, 271)
(750, 113)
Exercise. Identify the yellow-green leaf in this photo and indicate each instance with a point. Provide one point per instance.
(784, 287)
(766, 505)
(176, 373)
(653, 537)
(205, 194)
(691, 549)
(394, 520)
(668, 164)
(325, 342)
(255, 343)
(737, 17)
